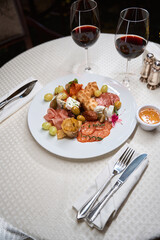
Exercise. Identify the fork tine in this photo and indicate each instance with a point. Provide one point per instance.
(123, 155)
(129, 157)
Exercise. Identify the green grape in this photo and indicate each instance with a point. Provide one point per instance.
(104, 88)
(97, 93)
(56, 91)
(48, 97)
(46, 125)
(52, 130)
(64, 96)
(60, 89)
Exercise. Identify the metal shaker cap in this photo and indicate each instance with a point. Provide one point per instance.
(156, 65)
(150, 57)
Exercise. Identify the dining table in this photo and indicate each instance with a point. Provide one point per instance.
(38, 187)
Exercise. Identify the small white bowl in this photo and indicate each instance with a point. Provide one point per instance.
(146, 126)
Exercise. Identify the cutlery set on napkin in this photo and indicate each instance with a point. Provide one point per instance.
(18, 97)
(96, 211)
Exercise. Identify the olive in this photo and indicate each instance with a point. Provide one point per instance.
(74, 97)
(102, 118)
(64, 106)
(117, 104)
(53, 103)
(81, 118)
(75, 110)
(48, 97)
(67, 87)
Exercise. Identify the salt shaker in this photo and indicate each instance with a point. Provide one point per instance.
(154, 77)
(146, 68)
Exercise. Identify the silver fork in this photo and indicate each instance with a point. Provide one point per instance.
(24, 94)
(119, 166)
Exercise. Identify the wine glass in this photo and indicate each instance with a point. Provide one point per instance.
(84, 24)
(132, 35)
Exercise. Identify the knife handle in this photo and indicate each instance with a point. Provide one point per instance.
(98, 207)
(84, 210)
(5, 102)
(2, 104)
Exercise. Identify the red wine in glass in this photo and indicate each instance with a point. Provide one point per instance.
(85, 36)
(84, 24)
(132, 35)
(130, 46)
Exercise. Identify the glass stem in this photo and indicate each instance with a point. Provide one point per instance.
(126, 78)
(87, 68)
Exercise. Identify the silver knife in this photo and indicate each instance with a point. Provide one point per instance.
(98, 207)
(20, 90)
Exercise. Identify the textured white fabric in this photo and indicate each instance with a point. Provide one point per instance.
(114, 203)
(14, 106)
(37, 188)
(8, 232)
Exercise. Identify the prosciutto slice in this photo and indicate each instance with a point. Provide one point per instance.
(56, 117)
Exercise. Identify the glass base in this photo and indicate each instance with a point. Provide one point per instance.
(81, 68)
(126, 83)
(132, 77)
(87, 69)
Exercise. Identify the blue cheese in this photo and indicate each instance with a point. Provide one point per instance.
(71, 103)
(60, 102)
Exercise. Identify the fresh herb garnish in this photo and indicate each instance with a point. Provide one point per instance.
(96, 138)
(74, 81)
(98, 125)
(115, 110)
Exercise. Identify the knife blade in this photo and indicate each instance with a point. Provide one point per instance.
(129, 170)
(21, 92)
(18, 91)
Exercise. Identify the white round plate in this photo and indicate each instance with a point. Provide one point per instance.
(71, 148)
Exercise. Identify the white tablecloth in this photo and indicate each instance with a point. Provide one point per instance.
(37, 188)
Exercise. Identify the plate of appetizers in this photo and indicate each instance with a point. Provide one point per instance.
(82, 116)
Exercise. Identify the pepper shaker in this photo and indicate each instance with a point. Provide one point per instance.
(154, 77)
(146, 68)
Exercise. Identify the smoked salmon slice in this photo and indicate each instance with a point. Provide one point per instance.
(94, 131)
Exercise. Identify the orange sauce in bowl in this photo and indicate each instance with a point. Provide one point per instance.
(149, 116)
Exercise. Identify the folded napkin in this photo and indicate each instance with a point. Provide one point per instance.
(154, 49)
(12, 107)
(118, 198)
(8, 232)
